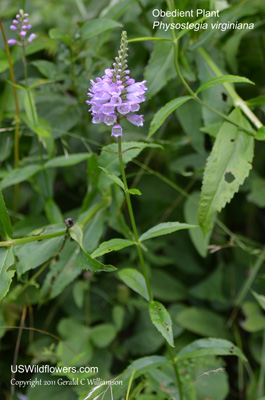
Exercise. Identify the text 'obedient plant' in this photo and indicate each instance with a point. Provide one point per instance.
(21, 27)
(116, 96)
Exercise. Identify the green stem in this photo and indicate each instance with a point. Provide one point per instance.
(174, 362)
(134, 228)
(130, 384)
(237, 100)
(15, 242)
(17, 120)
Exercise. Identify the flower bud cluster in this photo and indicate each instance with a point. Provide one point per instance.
(116, 96)
(21, 27)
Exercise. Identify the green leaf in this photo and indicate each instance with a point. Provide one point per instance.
(47, 68)
(210, 347)
(6, 260)
(102, 335)
(35, 254)
(113, 177)
(4, 218)
(219, 80)
(257, 101)
(76, 234)
(62, 273)
(56, 33)
(254, 318)
(164, 112)
(67, 161)
(53, 212)
(19, 175)
(134, 280)
(160, 68)
(164, 229)
(135, 191)
(260, 134)
(42, 131)
(162, 321)
(85, 261)
(227, 167)
(199, 241)
(260, 299)
(111, 245)
(97, 26)
(146, 364)
(30, 107)
(203, 322)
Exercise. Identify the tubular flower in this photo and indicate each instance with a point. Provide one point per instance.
(116, 96)
(21, 27)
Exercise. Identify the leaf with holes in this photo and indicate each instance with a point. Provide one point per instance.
(227, 167)
(210, 347)
(162, 321)
(135, 280)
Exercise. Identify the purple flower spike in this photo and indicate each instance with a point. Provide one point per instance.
(12, 41)
(116, 96)
(21, 28)
(116, 131)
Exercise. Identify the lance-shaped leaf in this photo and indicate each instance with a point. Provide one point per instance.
(210, 347)
(63, 161)
(111, 245)
(85, 261)
(219, 80)
(162, 321)
(18, 175)
(164, 229)
(227, 167)
(6, 260)
(135, 280)
(164, 112)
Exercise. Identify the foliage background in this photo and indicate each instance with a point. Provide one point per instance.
(96, 314)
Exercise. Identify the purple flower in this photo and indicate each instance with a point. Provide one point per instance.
(21, 28)
(116, 131)
(116, 96)
(12, 41)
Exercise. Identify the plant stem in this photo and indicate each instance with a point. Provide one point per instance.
(174, 362)
(15, 242)
(17, 121)
(238, 101)
(134, 228)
